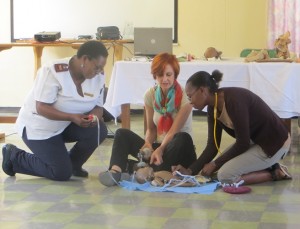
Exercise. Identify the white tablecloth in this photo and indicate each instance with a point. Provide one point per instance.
(276, 83)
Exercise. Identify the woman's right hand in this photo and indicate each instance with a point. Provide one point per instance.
(50, 112)
(147, 145)
(156, 157)
(208, 169)
(81, 120)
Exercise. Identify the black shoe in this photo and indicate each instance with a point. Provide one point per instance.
(131, 166)
(112, 177)
(7, 165)
(80, 172)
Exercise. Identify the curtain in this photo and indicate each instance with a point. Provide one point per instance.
(283, 16)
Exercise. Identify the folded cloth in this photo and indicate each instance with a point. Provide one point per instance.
(208, 188)
(165, 181)
(237, 190)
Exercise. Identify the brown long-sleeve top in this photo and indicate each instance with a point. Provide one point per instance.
(252, 119)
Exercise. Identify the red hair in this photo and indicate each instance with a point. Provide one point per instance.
(160, 62)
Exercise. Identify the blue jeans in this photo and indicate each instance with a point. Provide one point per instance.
(50, 157)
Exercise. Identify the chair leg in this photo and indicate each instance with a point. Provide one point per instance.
(287, 123)
(2, 135)
(145, 121)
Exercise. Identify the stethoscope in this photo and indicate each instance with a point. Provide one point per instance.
(215, 121)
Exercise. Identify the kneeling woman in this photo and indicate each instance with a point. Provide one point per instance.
(169, 120)
(261, 137)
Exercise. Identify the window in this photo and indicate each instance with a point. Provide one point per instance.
(283, 16)
(83, 17)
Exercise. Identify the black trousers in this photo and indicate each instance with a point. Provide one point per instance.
(50, 157)
(180, 150)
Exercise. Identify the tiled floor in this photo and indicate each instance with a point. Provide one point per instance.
(32, 202)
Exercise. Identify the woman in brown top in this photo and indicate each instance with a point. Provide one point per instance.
(261, 137)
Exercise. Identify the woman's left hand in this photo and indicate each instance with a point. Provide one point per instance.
(94, 120)
(208, 169)
(156, 156)
(93, 123)
(181, 169)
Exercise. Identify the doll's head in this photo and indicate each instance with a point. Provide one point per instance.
(281, 45)
(143, 175)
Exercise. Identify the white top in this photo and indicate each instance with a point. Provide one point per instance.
(57, 88)
(149, 101)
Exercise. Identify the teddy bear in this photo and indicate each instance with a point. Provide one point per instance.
(281, 45)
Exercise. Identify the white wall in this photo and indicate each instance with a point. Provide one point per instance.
(228, 25)
(16, 78)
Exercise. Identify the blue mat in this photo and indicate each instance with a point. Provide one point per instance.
(207, 188)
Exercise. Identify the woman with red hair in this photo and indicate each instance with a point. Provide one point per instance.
(169, 122)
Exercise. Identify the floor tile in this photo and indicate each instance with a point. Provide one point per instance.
(33, 202)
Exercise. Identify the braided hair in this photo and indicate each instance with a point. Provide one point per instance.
(204, 79)
(93, 49)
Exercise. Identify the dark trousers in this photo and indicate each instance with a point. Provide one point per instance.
(50, 157)
(180, 150)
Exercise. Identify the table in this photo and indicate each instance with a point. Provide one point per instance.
(276, 83)
(75, 44)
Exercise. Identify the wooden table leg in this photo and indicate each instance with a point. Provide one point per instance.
(118, 51)
(38, 51)
(125, 115)
(287, 123)
(145, 121)
(2, 135)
